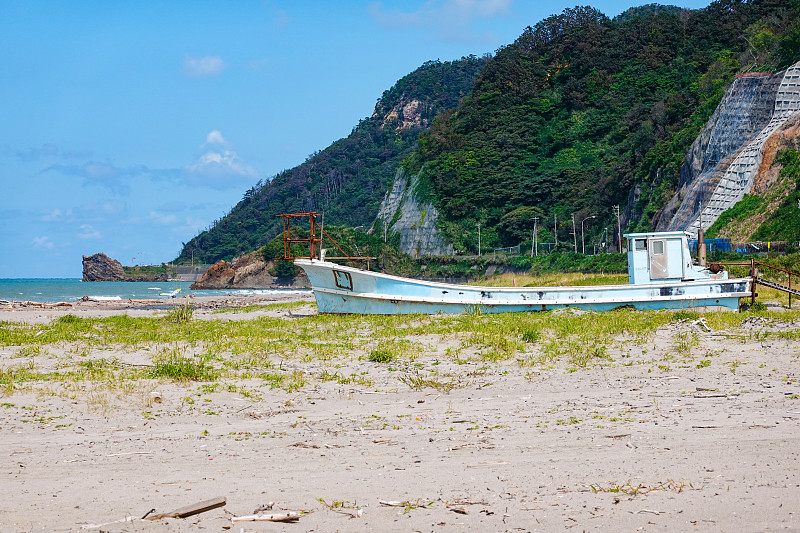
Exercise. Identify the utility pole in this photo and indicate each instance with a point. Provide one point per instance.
(574, 235)
(619, 227)
(701, 239)
(555, 229)
(479, 239)
(583, 243)
(533, 237)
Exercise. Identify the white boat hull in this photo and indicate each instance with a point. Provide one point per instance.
(341, 289)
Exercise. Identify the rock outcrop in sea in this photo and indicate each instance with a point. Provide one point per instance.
(100, 267)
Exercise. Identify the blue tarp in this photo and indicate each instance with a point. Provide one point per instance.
(712, 245)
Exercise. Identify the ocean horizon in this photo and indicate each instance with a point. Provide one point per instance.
(51, 290)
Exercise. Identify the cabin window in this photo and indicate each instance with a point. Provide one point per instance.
(343, 280)
(640, 244)
(658, 247)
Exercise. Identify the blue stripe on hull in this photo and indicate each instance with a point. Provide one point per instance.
(337, 304)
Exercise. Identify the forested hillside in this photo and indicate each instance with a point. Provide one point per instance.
(347, 180)
(582, 113)
(579, 114)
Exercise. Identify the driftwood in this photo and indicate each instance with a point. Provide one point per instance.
(352, 513)
(37, 305)
(98, 526)
(288, 516)
(390, 503)
(191, 510)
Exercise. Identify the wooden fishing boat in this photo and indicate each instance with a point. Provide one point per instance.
(661, 275)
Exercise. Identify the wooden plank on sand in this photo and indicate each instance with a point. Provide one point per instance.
(191, 510)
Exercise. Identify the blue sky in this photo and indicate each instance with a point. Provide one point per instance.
(129, 127)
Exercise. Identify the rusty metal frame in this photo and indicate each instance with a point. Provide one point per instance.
(756, 280)
(314, 240)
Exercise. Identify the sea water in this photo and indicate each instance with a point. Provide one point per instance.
(72, 289)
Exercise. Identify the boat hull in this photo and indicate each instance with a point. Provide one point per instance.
(341, 289)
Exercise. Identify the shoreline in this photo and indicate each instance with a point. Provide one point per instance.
(41, 312)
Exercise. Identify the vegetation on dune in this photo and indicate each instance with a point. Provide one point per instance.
(241, 356)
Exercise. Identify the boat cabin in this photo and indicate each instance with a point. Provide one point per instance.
(661, 256)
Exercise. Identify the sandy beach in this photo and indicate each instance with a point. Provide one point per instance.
(696, 428)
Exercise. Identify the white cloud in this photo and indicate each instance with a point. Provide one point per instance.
(88, 232)
(203, 67)
(221, 163)
(42, 242)
(215, 137)
(450, 19)
(219, 166)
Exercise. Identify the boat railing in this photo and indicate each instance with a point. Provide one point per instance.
(759, 279)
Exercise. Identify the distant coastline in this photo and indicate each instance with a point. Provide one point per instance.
(52, 290)
(100, 267)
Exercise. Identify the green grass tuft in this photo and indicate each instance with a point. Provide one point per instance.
(178, 368)
(181, 313)
(381, 355)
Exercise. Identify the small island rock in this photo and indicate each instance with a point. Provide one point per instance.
(100, 267)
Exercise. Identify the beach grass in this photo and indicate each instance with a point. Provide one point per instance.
(185, 350)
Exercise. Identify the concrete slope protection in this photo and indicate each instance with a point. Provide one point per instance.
(725, 160)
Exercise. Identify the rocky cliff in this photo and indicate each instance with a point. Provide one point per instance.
(788, 136)
(402, 212)
(248, 272)
(100, 267)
